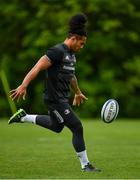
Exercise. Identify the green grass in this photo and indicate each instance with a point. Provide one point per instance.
(29, 151)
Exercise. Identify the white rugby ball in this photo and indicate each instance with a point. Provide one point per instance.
(109, 110)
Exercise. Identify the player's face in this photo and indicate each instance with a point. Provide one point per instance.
(78, 43)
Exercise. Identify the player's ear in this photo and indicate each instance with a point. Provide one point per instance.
(73, 38)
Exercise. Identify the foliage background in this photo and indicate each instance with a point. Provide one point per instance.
(108, 66)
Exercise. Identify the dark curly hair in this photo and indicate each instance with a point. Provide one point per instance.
(77, 25)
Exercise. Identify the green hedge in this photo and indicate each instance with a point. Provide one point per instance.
(108, 66)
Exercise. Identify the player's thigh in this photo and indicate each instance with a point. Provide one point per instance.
(64, 114)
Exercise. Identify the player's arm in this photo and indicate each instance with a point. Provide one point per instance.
(42, 64)
(79, 96)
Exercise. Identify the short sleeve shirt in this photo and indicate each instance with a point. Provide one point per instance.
(59, 75)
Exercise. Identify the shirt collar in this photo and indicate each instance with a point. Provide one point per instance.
(67, 48)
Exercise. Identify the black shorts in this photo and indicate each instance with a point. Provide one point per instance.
(63, 114)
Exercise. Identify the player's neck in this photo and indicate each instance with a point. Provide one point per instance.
(67, 42)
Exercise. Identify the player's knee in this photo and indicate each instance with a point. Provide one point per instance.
(78, 128)
(58, 130)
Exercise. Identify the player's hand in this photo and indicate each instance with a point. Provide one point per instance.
(79, 99)
(18, 93)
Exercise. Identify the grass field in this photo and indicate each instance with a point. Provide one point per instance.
(29, 151)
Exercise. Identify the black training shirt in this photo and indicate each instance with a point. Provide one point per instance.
(59, 75)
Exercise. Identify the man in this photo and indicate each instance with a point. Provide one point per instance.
(59, 63)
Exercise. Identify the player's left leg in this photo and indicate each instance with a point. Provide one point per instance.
(74, 124)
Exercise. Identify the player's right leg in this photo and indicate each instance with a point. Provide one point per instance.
(17, 116)
(51, 121)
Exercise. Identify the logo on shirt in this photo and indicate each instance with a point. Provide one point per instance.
(67, 111)
(69, 68)
(67, 58)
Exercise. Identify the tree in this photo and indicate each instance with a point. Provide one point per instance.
(108, 66)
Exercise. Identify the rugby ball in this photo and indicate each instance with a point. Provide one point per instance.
(109, 110)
